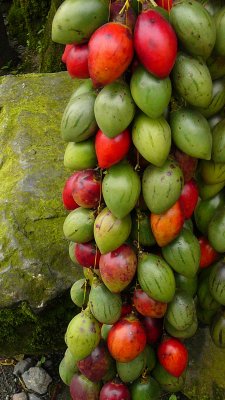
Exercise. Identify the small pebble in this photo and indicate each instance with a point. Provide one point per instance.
(33, 396)
(37, 379)
(22, 366)
(19, 396)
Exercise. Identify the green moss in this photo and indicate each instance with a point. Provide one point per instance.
(25, 332)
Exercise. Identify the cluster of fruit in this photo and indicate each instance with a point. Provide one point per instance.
(146, 144)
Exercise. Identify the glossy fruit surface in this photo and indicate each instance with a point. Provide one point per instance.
(147, 306)
(110, 53)
(110, 151)
(77, 61)
(189, 198)
(153, 329)
(87, 254)
(145, 388)
(97, 364)
(127, 339)
(67, 197)
(117, 268)
(87, 188)
(155, 43)
(167, 226)
(186, 163)
(208, 253)
(114, 391)
(173, 356)
(82, 388)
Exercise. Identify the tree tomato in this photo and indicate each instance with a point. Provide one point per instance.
(110, 151)
(87, 254)
(153, 328)
(173, 356)
(87, 188)
(77, 61)
(67, 49)
(167, 4)
(208, 254)
(114, 391)
(189, 198)
(67, 197)
(126, 339)
(147, 306)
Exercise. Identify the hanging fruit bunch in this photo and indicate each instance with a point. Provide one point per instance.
(145, 134)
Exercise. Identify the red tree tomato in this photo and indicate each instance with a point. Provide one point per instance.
(147, 306)
(126, 339)
(208, 254)
(173, 356)
(114, 391)
(77, 61)
(67, 49)
(189, 198)
(67, 197)
(87, 254)
(111, 151)
(155, 43)
(167, 4)
(87, 188)
(153, 328)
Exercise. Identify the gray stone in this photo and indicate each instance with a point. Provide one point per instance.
(23, 366)
(37, 379)
(19, 396)
(34, 262)
(32, 396)
(206, 372)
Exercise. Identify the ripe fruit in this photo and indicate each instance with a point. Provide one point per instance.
(114, 391)
(77, 61)
(189, 198)
(87, 188)
(173, 356)
(110, 151)
(155, 43)
(147, 306)
(126, 339)
(208, 254)
(153, 329)
(67, 197)
(87, 254)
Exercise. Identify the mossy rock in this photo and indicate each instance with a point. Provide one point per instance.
(34, 263)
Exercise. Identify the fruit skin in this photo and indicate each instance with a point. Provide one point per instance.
(82, 388)
(110, 151)
(194, 27)
(217, 282)
(66, 373)
(167, 4)
(77, 61)
(67, 49)
(208, 254)
(206, 209)
(152, 95)
(186, 163)
(76, 20)
(187, 284)
(167, 381)
(145, 389)
(87, 254)
(218, 145)
(153, 329)
(114, 391)
(79, 293)
(189, 198)
(216, 230)
(119, 108)
(156, 277)
(191, 133)
(207, 191)
(80, 155)
(167, 226)
(157, 183)
(205, 299)
(141, 229)
(67, 198)
(118, 267)
(181, 311)
(217, 330)
(155, 43)
(184, 334)
(147, 306)
(183, 253)
(78, 120)
(192, 80)
(216, 65)
(131, 370)
(127, 339)
(121, 189)
(78, 225)
(110, 232)
(152, 138)
(87, 188)
(105, 306)
(220, 32)
(212, 172)
(110, 53)
(173, 356)
(82, 345)
(97, 364)
(218, 100)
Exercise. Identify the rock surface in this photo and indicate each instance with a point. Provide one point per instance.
(23, 366)
(37, 379)
(34, 262)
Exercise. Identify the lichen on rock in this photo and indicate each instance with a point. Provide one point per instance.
(34, 262)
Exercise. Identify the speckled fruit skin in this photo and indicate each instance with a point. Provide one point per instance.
(87, 254)
(110, 53)
(114, 391)
(87, 188)
(117, 268)
(83, 389)
(147, 306)
(67, 197)
(127, 339)
(155, 43)
(173, 356)
(97, 364)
